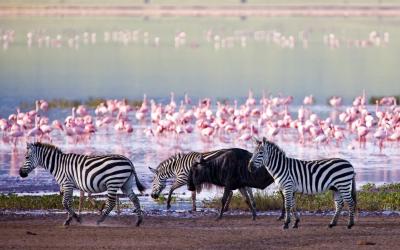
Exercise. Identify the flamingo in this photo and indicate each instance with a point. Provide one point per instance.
(380, 135)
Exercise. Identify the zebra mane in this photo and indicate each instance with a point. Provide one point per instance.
(171, 159)
(275, 147)
(46, 145)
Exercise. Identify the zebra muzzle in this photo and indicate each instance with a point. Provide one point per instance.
(22, 173)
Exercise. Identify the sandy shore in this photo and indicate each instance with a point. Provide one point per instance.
(233, 232)
(234, 10)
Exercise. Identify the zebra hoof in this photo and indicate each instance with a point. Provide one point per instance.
(78, 219)
(66, 223)
(286, 226)
(331, 225)
(98, 222)
(280, 218)
(350, 226)
(139, 220)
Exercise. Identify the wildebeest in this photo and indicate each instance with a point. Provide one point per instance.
(229, 170)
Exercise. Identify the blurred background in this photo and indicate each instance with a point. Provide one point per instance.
(220, 49)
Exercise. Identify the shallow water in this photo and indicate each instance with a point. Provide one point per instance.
(371, 165)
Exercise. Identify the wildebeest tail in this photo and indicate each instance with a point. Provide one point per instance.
(190, 181)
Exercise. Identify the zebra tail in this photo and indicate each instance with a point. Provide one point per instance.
(139, 185)
(353, 190)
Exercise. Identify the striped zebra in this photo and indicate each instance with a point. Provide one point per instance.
(177, 166)
(91, 174)
(307, 177)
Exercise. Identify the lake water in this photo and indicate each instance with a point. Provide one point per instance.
(371, 165)
(78, 57)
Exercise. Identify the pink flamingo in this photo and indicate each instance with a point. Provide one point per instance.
(380, 135)
(308, 100)
(362, 132)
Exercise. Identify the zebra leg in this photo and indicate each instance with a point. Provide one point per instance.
(94, 204)
(338, 208)
(228, 201)
(135, 200)
(193, 200)
(282, 216)
(110, 203)
(288, 194)
(223, 201)
(352, 207)
(67, 203)
(243, 191)
(296, 214)
(81, 200)
(118, 207)
(173, 187)
(127, 190)
(250, 192)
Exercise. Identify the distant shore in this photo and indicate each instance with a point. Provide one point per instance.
(202, 10)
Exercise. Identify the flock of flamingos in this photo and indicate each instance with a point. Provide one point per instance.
(271, 116)
(238, 38)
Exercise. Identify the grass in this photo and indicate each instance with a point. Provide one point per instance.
(369, 198)
(15, 202)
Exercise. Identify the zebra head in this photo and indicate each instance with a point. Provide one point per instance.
(259, 155)
(158, 184)
(31, 160)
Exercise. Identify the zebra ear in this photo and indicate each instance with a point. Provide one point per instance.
(256, 141)
(264, 140)
(198, 159)
(154, 171)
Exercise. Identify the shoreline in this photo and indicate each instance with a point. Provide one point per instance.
(201, 212)
(200, 10)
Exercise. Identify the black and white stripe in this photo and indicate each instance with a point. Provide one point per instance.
(91, 174)
(307, 177)
(178, 167)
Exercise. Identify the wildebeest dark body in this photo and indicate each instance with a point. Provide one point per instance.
(229, 170)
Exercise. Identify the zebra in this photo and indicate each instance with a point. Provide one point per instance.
(177, 166)
(91, 174)
(307, 177)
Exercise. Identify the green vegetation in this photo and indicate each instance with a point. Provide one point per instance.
(16, 202)
(373, 99)
(369, 198)
(65, 103)
(162, 199)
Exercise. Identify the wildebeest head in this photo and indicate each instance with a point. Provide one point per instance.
(158, 184)
(31, 160)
